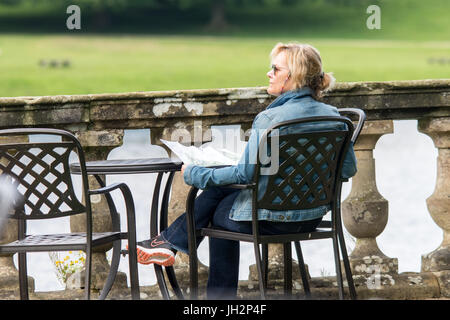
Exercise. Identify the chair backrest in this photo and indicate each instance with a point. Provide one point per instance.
(39, 171)
(360, 123)
(311, 153)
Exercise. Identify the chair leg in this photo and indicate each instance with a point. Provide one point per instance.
(287, 269)
(265, 260)
(133, 267)
(161, 282)
(87, 274)
(301, 265)
(112, 271)
(23, 278)
(262, 287)
(348, 271)
(192, 243)
(170, 272)
(193, 270)
(338, 267)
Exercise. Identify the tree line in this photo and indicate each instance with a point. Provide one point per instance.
(212, 13)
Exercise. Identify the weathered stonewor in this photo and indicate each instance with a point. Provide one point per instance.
(365, 211)
(168, 111)
(438, 203)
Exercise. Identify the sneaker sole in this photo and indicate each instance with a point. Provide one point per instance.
(162, 257)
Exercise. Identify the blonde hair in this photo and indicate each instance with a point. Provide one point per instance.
(305, 66)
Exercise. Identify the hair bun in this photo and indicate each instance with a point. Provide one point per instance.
(328, 81)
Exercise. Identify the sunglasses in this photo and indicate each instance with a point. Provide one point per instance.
(275, 69)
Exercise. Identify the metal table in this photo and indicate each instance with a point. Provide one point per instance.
(136, 166)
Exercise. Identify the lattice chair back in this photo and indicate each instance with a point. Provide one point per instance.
(40, 173)
(309, 162)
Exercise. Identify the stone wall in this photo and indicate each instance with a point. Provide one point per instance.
(99, 120)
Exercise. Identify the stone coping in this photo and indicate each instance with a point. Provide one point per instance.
(347, 87)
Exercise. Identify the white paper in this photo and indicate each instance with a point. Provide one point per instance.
(202, 156)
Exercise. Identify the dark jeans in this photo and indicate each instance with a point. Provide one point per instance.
(213, 206)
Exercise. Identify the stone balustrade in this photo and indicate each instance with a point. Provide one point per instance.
(99, 120)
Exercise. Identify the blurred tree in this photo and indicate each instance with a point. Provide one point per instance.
(10, 2)
(217, 8)
(97, 11)
(218, 20)
(349, 3)
(100, 13)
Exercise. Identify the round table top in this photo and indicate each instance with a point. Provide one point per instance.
(129, 166)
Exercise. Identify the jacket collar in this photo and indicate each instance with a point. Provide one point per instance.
(292, 94)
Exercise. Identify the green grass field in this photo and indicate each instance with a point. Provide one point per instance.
(413, 43)
(108, 64)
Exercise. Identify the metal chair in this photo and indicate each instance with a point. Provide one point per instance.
(40, 173)
(311, 157)
(361, 118)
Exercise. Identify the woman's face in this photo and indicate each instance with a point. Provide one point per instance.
(279, 76)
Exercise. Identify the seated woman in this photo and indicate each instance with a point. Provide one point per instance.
(296, 77)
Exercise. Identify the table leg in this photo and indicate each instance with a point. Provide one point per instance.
(163, 225)
(154, 231)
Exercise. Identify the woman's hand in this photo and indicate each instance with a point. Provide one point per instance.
(182, 169)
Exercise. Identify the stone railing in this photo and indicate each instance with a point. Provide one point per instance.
(100, 120)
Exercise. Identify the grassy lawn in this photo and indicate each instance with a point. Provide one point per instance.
(113, 63)
(413, 43)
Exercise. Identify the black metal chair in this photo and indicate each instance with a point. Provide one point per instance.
(326, 224)
(40, 173)
(310, 165)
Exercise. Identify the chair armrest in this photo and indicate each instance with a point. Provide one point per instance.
(129, 206)
(109, 188)
(131, 216)
(127, 196)
(361, 119)
(241, 186)
(190, 202)
(192, 235)
(325, 224)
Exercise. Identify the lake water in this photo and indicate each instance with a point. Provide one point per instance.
(405, 173)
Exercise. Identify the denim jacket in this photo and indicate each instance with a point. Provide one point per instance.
(290, 105)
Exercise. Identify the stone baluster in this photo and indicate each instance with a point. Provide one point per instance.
(365, 212)
(9, 275)
(96, 146)
(438, 261)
